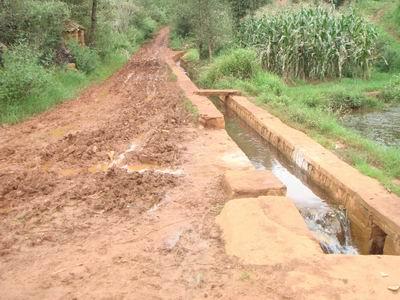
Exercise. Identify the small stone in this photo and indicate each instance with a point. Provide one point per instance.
(71, 66)
(172, 241)
(95, 149)
(394, 288)
(111, 155)
(384, 274)
(214, 233)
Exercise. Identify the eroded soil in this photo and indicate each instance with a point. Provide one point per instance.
(96, 196)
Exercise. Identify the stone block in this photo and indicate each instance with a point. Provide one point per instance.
(252, 183)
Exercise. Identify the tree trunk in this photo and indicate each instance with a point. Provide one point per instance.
(93, 26)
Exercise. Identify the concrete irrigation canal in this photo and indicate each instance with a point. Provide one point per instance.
(328, 222)
(344, 217)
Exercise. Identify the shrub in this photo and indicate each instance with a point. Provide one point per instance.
(37, 22)
(183, 25)
(109, 42)
(22, 76)
(389, 60)
(313, 42)
(391, 92)
(270, 83)
(342, 102)
(146, 25)
(240, 64)
(191, 55)
(86, 59)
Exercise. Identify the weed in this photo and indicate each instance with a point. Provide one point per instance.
(190, 108)
(240, 64)
(244, 276)
(192, 55)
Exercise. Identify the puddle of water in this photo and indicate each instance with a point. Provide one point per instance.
(60, 131)
(328, 223)
(98, 168)
(380, 126)
(139, 168)
(69, 172)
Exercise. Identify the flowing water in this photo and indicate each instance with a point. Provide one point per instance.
(328, 223)
(380, 126)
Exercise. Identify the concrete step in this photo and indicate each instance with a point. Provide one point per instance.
(252, 183)
(266, 231)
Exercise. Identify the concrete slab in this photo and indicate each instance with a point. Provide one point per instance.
(252, 183)
(209, 116)
(266, 230)
(224, 93)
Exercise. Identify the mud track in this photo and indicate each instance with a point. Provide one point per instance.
(114, 195)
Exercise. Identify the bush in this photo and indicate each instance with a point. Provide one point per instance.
(191, 55)
(240, 64)
(109, 42)
(389, 60)
(39, 23)
(269, 83)
(183, 25)
(342, 102)
(86, 59)
(145, 24)
(22, 76)
(391, 93)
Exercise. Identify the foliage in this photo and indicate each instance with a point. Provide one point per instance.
(32, 30)
(86, 59)
(34, 22)
(344, 101)
(391, 92)
(312, 42)
(209, 21)
(21, 77)
(240, 8)
(239, 63)
(191, 55)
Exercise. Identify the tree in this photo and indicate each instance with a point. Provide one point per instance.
(209, 22)
(93, 24)
(240, 8)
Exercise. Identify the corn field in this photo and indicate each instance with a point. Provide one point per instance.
(312, 43)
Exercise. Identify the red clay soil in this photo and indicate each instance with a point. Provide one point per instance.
(114, 195)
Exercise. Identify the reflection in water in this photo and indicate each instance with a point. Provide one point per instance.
(329, 224)
(380, 126)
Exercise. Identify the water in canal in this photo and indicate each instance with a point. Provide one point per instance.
(328, 222)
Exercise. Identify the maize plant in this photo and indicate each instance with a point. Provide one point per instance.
(312, 43)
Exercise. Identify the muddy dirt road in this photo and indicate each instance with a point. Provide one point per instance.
(97, 199)
(114, 195)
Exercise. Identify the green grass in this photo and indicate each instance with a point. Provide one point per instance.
(192, 55)
(385, 13)
(65, 84)
(190, 108)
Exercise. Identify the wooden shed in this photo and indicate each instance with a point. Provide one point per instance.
(74, 31)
